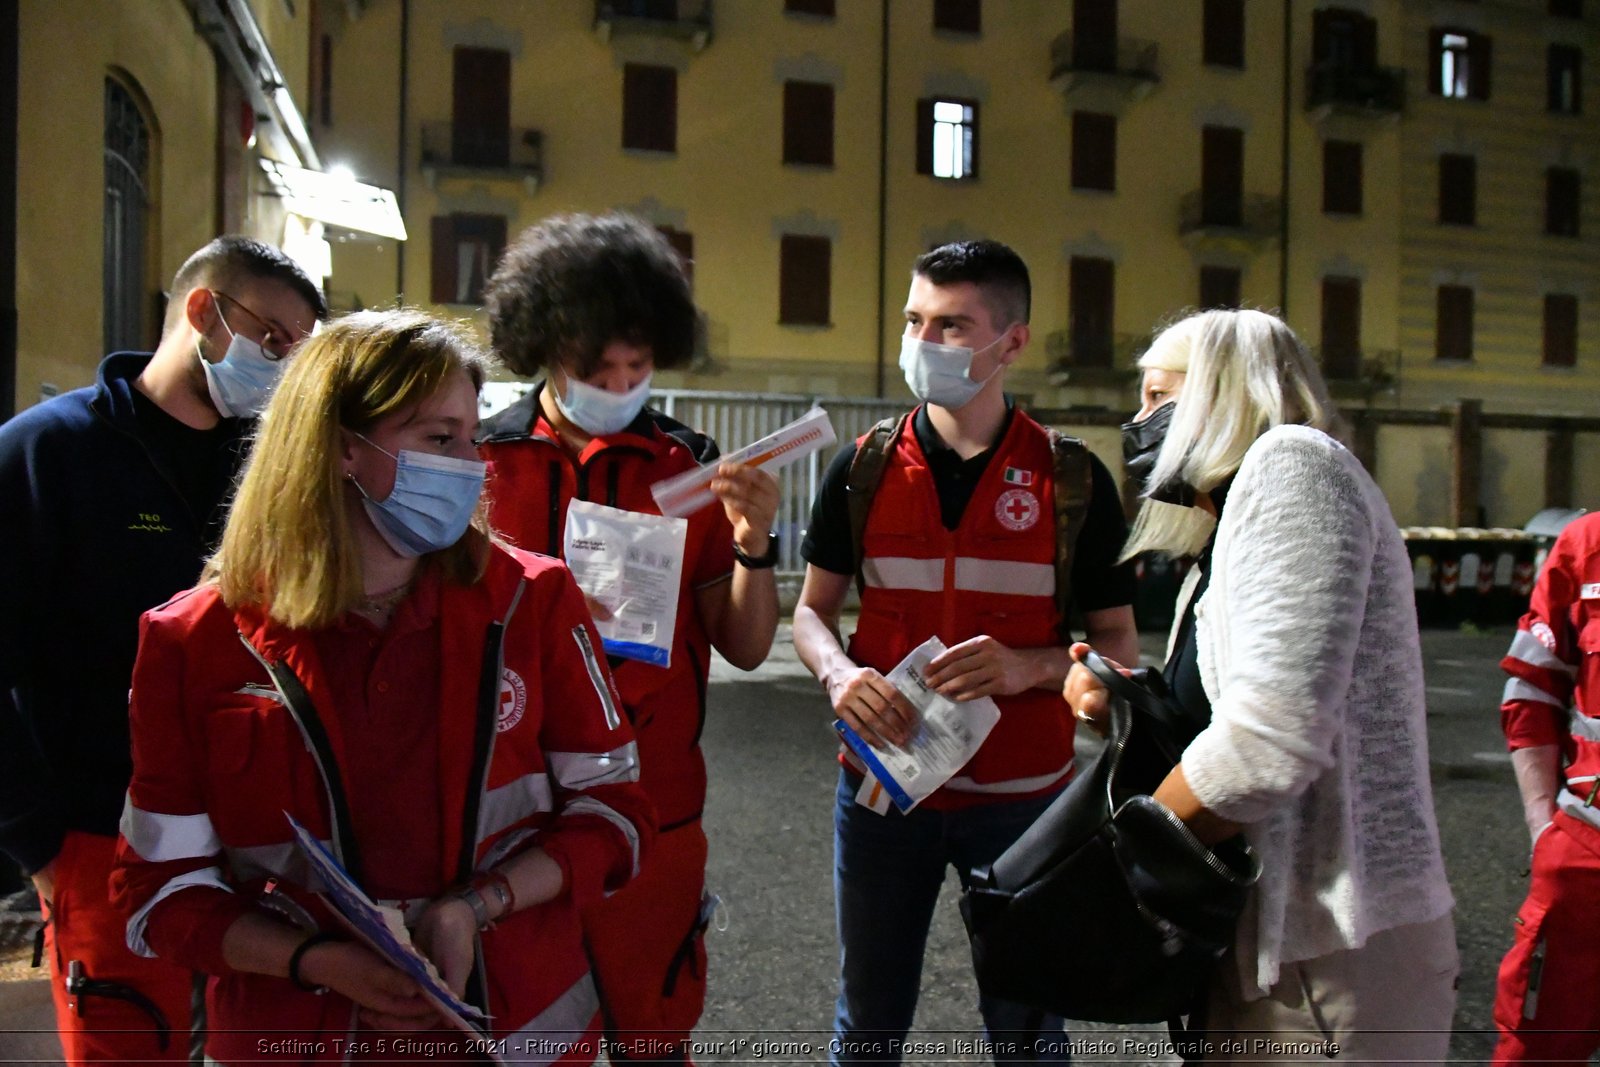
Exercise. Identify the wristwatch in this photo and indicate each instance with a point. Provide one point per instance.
(759, 563)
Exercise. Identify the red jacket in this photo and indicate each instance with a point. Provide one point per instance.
(532, 480)
(1553, 664)
(995, 575)
(227, 736)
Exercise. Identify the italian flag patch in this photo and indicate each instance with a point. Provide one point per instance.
(1015, 476)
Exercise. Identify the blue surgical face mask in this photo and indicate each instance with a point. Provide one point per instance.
(941, 374)
(599, 411)
(431, 503)
(242, 381)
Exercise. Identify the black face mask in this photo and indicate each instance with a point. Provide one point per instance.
(1141, 444)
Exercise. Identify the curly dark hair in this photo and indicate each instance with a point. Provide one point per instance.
(993, 267)
(573, 284)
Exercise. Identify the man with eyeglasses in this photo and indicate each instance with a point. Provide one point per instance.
(115, 495)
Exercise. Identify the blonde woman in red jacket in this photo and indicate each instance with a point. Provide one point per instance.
(432, 706)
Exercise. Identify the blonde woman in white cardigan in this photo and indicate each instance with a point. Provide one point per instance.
(1297, 636)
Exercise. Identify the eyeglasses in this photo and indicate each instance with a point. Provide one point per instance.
(275, 342)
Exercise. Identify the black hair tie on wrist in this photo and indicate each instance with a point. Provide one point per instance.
(321, 937)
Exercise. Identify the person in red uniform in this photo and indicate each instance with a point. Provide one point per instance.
(960, 542)
(1547, 1006)
(595, 305)
(432, 706)
(133, 476)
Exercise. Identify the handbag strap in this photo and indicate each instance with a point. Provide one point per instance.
(1144, 694)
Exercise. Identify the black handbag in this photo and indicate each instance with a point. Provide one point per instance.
(1108, 909)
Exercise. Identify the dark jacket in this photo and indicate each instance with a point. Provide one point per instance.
(95, 531)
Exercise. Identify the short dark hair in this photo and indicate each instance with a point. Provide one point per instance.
(224, 260)
(992, 267)
(573, 284)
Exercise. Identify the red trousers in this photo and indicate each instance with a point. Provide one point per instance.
(1547, 1005)
(647, 949)
(83, 926)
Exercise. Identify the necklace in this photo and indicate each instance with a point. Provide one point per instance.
(384, 603)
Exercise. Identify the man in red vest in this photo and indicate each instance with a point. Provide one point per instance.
(960, 542)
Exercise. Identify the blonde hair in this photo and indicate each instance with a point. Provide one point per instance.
(287, 546)
(1244, 373)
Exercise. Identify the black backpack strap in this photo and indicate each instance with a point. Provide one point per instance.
(1074, 483)
(866, 471)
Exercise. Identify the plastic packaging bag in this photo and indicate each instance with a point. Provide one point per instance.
(631, 564)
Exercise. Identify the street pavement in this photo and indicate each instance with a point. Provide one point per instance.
(773, 957)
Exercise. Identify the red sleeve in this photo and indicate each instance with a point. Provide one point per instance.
(168, 878)
(1544, 657)
(713, 559)
(605, 823)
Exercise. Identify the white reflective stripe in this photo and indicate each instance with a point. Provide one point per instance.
(207, 876)
(1530, 650)
(1583, 727)
(1013, 785)
(581, 770)
(1573, 805)
(506, 805)
(901, 572)
(591, 806)
(1518, 689)
(597, 678)
(159, 838)
(1005, 576)
(281, 860)
(558, 1030)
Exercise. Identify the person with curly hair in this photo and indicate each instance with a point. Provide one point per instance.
(593, 305)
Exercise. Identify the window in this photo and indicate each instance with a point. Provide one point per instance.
(947, 138)
(324, 80)
(1567, 9)
(804, 267)
(126, 218)
(1222, 33)
(649, 108)
(1219, 287)
(1094, 151)
(1091, 298)
(1094, 35)
(1344, 40)
(1222, 176)
(1341, 177)
(820, 8)
(1453, 326)
(465, 250)
(808, 123)
(1562, 202)
(1560, 330)
(480, 108)
(1564, 79)
(1341, 327)
(1458, 189)
(958, 16)
(1458, 64)
(683, 244)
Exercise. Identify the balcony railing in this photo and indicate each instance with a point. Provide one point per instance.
(449, 150)
(1245, 221)
(1363, 373)
(1125, 65)
(1376, 92)
(1093, 359)
(682, 20)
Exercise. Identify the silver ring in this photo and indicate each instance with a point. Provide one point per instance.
(1082, 716)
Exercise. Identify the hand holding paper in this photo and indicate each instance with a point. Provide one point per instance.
(686, 493)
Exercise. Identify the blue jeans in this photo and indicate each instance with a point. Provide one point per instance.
(887, 870)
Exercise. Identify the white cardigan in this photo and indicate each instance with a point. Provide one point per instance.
(1308, 651)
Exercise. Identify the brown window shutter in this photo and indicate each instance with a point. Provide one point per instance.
(808, 123)
(1436, 62)
(1091, 301)
(1458, 189)
(1560, 330)
(1222, 175)
(649, 107)
(1222, 33)
(925, 136)
(972, 164)
(823, 8)
(442, 232)
(1094, 151)
(1220, 287)
(804, 269)
(1562, 201)
(480, 123)
(1341, 177)
(958, 16)
(1453, 326)
(1341, 327)
(683, 244)
(1480, 54)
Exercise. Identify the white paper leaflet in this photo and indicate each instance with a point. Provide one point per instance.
(383, 930)
(686, 493)
(631, 565)
(949, 734)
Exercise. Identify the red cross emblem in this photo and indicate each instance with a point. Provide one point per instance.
(513, 700)
(1017, 509)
